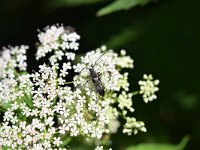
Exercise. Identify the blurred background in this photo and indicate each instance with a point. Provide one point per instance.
(162, 36)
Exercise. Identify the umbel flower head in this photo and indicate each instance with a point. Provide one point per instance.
(148, 87)
(44, 109)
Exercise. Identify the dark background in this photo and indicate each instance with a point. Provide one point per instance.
(162, 37)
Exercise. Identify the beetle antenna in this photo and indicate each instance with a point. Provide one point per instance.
(100, 58)
(82, 70)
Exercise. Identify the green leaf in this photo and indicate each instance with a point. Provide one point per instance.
(121, 5)
(28, 100)
(4, 106)
(157, 146)
(66, 141)
(20, 116)
(6, 147)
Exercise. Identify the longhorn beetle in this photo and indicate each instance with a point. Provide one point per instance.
(95, 77)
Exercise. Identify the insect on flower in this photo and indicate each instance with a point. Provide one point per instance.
(95, 77)
(97, 81)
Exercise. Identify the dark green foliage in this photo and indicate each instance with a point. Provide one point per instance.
(121, 5)
(159, 146)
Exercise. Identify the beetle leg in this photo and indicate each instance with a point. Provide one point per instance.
(98, 74)
(86, 82)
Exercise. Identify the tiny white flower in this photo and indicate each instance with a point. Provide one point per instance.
(148, 87)
(57, 141)
(99, 148)
(49, 121)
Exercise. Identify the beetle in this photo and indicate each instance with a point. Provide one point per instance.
(95, 77)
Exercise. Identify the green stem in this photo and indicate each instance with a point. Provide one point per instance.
(135, 93)
(71, 82)
(122, 115)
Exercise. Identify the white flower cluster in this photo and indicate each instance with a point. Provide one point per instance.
(133, 126)
(12, 58)
(43, 109)
(14, 81)
(148, 87)
(58, 40)
(100, 148)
